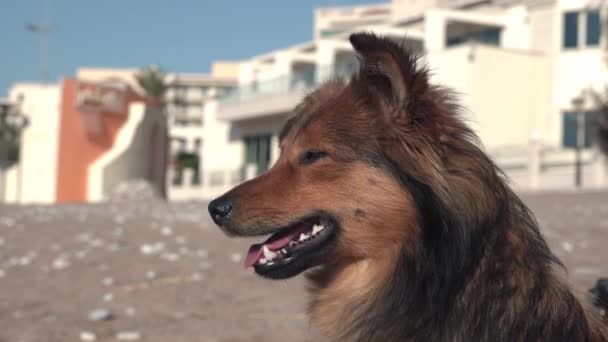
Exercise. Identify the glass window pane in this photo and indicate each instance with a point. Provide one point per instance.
(570, 29)
(569, 130)
(590, 126)
(251, 151)
(593, 28)
(263, 154)
(490, 36)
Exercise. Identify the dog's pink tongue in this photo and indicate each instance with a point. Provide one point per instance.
(255, 251)
(254, 254)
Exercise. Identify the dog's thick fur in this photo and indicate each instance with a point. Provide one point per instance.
(432, 244)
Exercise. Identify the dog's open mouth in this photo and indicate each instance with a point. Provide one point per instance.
(291, 249)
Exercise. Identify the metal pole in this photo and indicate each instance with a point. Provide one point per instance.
(43, 29)
(578, 104)
(44, 41)
(580, 141)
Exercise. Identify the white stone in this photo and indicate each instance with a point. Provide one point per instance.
(100, 315)
(235, 257)
(61, 263)
(567, 246)
(108, 297)
(150, 249)
(128, 336)
(24, 261)
(171, 256)
(87, 336)
(202, 253)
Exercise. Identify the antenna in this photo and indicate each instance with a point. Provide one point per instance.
(43, 29)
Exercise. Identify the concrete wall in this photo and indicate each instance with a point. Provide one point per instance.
(510, 104)
(505, 106)
(532, 168)
(34, 179)
(225, 69)
(134, 155)
(105, 74)
(11, 187)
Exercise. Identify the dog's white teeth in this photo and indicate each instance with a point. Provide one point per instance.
(304, 236)
(263, 261)
(317, 228)
(292, 243)
(268, 254)
(283, 251)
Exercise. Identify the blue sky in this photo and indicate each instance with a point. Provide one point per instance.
(180, 35)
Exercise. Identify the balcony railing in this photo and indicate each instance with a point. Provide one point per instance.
(296, 81)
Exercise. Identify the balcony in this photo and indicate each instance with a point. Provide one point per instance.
(278, 95)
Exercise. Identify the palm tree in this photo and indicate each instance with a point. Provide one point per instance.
(152, 80)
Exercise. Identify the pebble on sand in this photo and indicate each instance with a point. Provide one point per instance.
(235, 257)
(108, 297)
(170, 256)
(130, 311)
(87, 336)
(61, 263)
(567, 246)
(128, 335)
(100, 314)
(149, 249)
(166, 231)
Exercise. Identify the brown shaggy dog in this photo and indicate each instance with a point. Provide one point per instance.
(409, 228)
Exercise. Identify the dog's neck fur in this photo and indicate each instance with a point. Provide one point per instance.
(343, 293)
(509, 292)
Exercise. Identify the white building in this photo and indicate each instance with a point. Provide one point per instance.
(516, 64)
(83, 138)
(187, 98)
(33, 178)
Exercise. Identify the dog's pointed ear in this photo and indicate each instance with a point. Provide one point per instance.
(392, 72)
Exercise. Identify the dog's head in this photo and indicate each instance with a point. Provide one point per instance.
(354, 160)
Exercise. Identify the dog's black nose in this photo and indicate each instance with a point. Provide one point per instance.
(220, 209)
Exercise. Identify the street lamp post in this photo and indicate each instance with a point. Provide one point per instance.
(577, 103)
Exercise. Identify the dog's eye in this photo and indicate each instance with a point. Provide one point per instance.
(311, 156)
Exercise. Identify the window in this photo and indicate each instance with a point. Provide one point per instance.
(584, 25)
(569, 138)
(593, 28)
(571, 29)
(257, 151)
(489, 36)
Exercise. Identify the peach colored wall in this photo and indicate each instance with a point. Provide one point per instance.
(79, 147)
